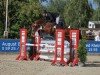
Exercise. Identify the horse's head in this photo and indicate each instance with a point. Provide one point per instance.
(38, 23)
(48, 27)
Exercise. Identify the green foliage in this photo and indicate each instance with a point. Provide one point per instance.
(57, 6)
(21, 13)
(28, 13)
(2, 17)
(1, 29)
(96, 15)
(14, 33)
(77, 13)
(82, 52)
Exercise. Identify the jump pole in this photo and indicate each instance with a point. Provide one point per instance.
(59, 48)
(37, 43)
(74, 41)
(23, 36)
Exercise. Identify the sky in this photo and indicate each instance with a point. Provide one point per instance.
(93, 4)
(45, 3)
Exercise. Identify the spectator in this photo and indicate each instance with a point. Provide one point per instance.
(97, 38)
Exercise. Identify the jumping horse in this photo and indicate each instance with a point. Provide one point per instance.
(47, 27)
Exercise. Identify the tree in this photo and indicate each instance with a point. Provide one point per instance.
(77, 13)
(28, 13)
(21, 13)
(1, 29)
(82, 52)
(2, 17)
(96, 13)
(57, 6)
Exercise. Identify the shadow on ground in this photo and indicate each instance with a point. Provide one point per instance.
(92, 64)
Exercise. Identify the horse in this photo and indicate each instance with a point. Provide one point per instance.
(47, 28)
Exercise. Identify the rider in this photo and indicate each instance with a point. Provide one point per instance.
(50, 17)
(54, 18)
(47, 16)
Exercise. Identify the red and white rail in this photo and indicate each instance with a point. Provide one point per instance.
(59, 54)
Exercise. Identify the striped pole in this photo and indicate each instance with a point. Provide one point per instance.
(23, 36)
(59, 48)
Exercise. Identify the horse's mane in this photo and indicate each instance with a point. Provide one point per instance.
(47, 26)
(40, 21)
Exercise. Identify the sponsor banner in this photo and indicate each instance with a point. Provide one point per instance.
(9, 45)
(12, 45)
(93, 46)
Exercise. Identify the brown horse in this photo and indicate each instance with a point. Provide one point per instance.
(47, 26)
(36, 25)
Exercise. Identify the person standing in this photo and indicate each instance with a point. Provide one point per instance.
(97, 38)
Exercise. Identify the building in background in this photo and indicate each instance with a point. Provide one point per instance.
(94, 24)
